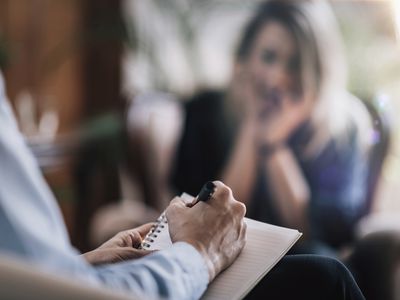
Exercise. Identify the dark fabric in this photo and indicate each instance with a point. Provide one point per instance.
(308, 277)
(205, 144)
(336, 177)
(374, 261)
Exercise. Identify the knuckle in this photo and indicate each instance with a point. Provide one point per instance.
(242, 208)
(135, 234)
(173, 209)
(175, 200)
(225, 192)
(218, 183)
(122, 234)
(239, 209)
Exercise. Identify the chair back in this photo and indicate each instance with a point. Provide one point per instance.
(378, 152)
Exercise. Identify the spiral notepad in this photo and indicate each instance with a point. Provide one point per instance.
(158, 237)
(265, 246)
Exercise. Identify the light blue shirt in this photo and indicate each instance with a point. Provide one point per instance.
(32, 229)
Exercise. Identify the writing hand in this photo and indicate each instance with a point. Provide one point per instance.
(215, 228)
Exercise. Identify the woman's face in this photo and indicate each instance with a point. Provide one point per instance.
(273, 63)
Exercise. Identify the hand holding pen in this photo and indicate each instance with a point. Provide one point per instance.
(205, 193)
(213, 224)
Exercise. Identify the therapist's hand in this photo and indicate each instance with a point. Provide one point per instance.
(215, 228)
(122, 246)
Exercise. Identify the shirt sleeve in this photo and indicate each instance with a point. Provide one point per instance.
(178, 272)
(32, 229)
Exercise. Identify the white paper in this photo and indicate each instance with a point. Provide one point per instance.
(265, 245)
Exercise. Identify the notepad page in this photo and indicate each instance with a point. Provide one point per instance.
(265, 246)
(159, 238)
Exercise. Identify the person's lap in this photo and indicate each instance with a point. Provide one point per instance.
(374, 262)
(307, 277)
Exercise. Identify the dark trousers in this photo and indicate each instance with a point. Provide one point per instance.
(374, 262)
(307, 277)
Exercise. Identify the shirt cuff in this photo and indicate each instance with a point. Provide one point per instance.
(192, 263)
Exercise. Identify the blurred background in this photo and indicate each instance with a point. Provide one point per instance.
(74, 69)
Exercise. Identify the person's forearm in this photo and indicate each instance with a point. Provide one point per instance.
(240, 171)
(289, 188)
(178, 272)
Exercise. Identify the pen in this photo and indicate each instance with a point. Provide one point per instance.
(206, 191)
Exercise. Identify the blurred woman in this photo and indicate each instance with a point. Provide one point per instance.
(285, 135)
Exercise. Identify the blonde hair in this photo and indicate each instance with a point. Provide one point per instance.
(323, 68)
(336, 110)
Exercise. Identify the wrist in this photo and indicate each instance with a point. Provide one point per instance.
(201, 249)
(266, 150)
(249, 127)
(92, 257)
(88, 257)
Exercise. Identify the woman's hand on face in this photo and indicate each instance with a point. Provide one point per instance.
(277, 124)
(243, 96)
(275, 114)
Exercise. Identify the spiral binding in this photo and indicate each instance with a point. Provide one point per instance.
(154, 232)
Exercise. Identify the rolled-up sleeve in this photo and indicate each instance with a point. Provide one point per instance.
(178, 272)
(32, 229)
